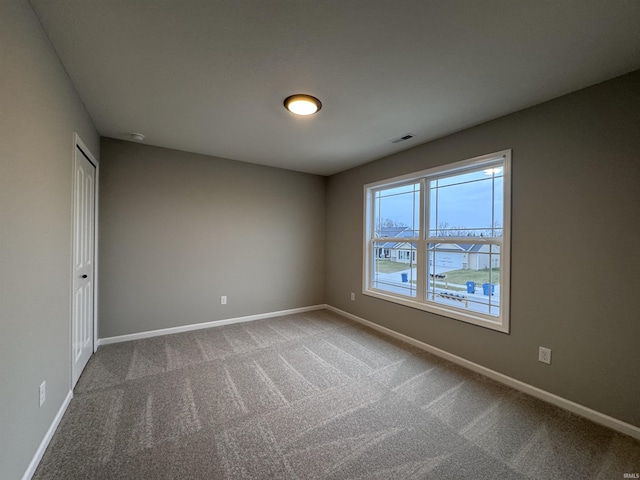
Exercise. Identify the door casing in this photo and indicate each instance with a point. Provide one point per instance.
(78, 143)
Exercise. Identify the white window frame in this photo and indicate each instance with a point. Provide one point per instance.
(420, 301)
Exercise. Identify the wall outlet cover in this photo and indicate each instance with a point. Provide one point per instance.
(544, 355)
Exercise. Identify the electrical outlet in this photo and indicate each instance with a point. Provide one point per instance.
(43, 392)
(223, 300)
(353, 297)
(544, 355)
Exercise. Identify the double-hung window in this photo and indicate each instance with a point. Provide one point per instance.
(438, 240)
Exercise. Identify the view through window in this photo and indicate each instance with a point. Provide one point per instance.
(439, 240)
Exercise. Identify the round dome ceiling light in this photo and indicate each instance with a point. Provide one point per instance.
(136, 137)
(301, 104)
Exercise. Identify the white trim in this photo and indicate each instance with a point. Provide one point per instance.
(35, 461)
(433, 171)
(474, 318)
(536, 392)
(420, 300)
(199, 326)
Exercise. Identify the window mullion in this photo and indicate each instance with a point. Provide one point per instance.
(420, 245)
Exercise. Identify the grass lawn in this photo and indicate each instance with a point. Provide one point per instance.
(461, 277)
(479, 276)
(387, 266)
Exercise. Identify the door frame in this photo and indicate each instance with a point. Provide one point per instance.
(79, 144)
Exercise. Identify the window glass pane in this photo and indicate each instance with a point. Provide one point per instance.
(463, 205)
(465, 276)
(498, 206)
(433, 210)
(394, 268)
(397, 211)
(463, 177)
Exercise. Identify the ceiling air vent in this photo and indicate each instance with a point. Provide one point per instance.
(406, 136)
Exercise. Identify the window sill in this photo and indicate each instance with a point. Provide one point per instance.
(492, 323)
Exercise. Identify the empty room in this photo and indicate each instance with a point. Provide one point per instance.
(296, 239)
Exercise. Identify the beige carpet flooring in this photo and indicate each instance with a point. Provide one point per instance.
(313, 396)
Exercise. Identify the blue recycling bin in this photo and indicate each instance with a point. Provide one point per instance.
(471, 287)
(488, 289)
(405, 277)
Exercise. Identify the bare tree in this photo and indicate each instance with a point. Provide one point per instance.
(390, 223)
(495, 231)
(444, 230)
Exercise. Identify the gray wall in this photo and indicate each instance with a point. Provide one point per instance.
(575, 259)
(40, 111)
(178, 230)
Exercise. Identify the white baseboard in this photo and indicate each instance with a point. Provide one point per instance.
(548, 397)
(47, 438)
(198, 326)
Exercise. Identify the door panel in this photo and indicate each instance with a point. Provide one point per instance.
(83, 263)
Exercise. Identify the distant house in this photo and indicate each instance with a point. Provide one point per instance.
(396, 251)
(449, 255)
(465, 256)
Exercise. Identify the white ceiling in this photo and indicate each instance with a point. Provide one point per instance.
(210, 76)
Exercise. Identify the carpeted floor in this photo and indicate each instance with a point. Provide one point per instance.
(313, 396)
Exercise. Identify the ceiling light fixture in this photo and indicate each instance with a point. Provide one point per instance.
(302, 104)
(137, 137)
